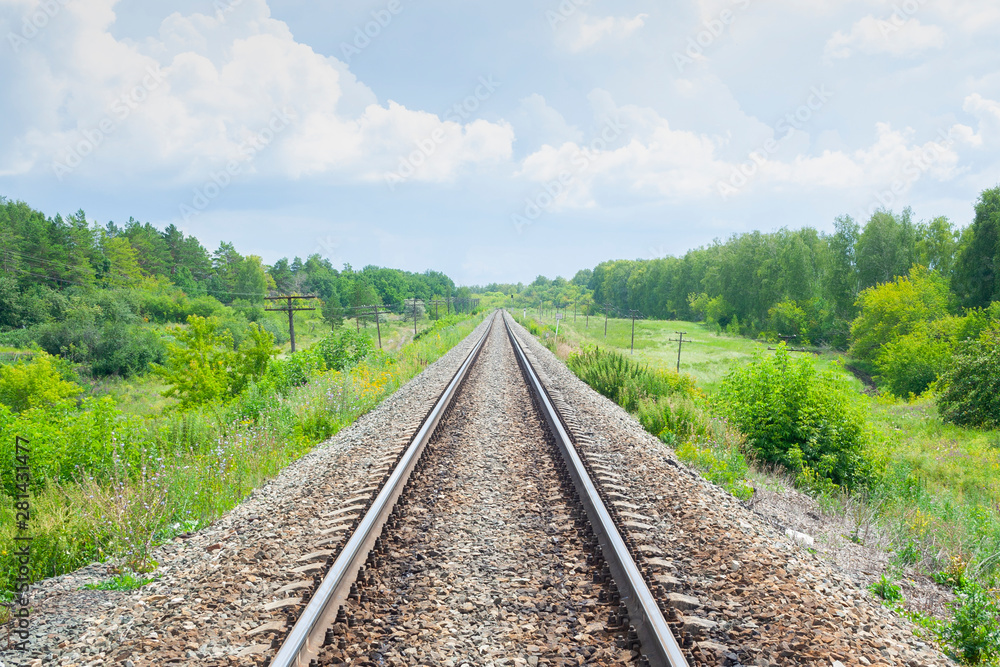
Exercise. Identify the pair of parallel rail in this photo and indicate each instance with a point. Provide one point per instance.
(305, 639)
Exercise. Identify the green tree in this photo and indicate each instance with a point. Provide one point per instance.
(937, 244)
(977, 269)
(886, 248)
(895, 309)
(969, 391)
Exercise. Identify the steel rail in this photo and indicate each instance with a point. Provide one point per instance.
(658, 642)
(305, 639)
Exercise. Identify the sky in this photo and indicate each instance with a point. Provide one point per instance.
(496, 141)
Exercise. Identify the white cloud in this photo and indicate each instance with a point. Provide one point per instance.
(988, 114)
(190, 99)
(653, 159)
(894, 36)
(587, 31)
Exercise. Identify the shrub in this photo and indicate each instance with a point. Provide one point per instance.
(910, 364)
(345, 348)
(793, 415)
(969, 390)
(36, 383)
(205, 367)
(673, 419)
(887, 589)
(973, 636)
(126, 350)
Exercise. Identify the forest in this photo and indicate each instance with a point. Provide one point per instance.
(90, 293)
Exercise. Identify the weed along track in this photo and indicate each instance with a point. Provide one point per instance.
(522, 520)
(488, 552)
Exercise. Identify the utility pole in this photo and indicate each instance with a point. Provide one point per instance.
(633, 314)
(378, 311)
(290, 310)
(607, 309)
(680, 344)
(435, 303)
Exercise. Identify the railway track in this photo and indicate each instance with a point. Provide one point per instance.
(490, 538)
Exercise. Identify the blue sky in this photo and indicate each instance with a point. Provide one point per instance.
(496, 141)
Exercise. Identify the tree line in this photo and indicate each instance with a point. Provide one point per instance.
(87, 292)
(803, 283)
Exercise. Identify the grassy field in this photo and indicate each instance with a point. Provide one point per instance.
(707, 357)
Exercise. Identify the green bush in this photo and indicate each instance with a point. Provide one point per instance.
(897, 308)
(126, 350)
(66, 441)
(909, 364)
(345, 348)
(673, 419)
(973, 636)
(35, 383)
(206, 366)
(810, 422)
(969, 391)
(887, 589)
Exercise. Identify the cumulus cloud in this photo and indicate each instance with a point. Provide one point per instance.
(637, 150)
(208, 91)
(988, 113)
(894, 36)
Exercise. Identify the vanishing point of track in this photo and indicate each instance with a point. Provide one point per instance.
(440, 528)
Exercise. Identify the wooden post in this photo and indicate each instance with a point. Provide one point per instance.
(607, 308)
(290, 310)
(680, 344)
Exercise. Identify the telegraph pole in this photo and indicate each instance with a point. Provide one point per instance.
(680, 343)
(633, 314)
(435, 303)
(290, 310)
(607, 309)
(378, 327)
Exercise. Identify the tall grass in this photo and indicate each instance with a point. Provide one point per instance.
(671, 407)
(141, 481)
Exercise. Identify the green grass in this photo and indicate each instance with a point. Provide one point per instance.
(707, 357)
(126, 581)
(175, 470)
